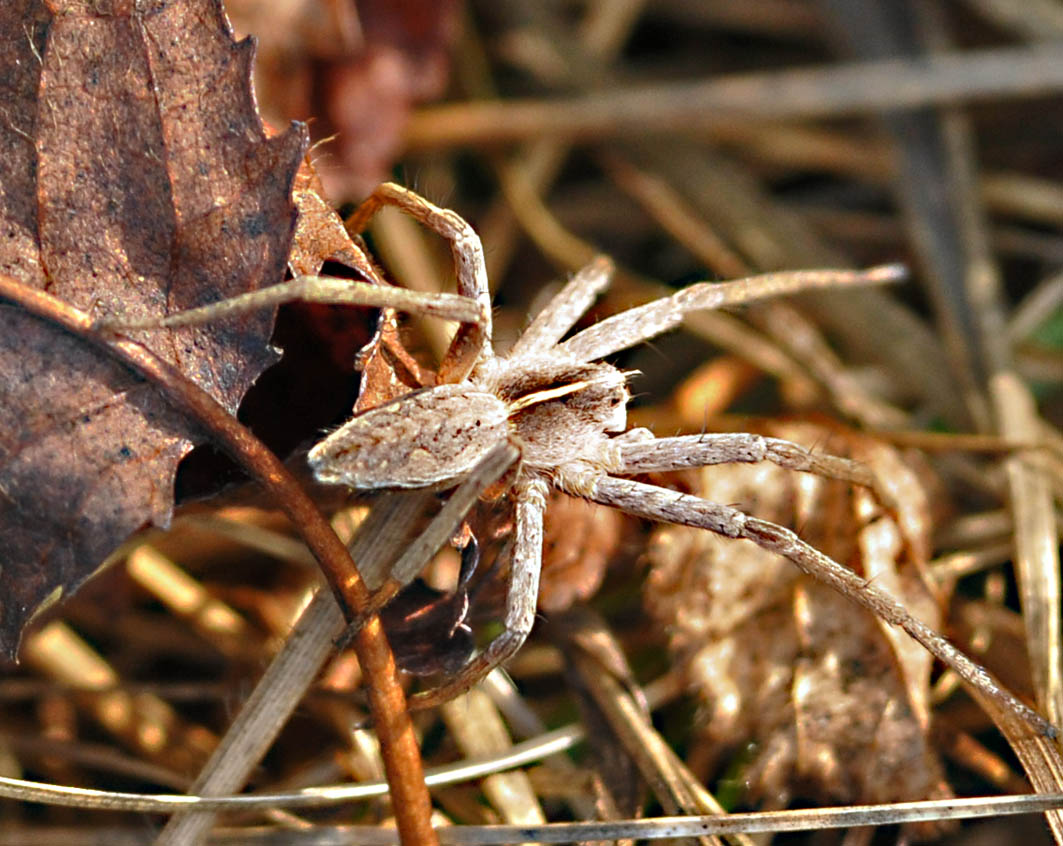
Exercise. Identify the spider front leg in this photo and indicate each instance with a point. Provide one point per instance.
(583, 479)
(647, 454)
(472, 340)
(470, 307)
(564, 309)
(314, 289)
(522, 596)
(644, 322)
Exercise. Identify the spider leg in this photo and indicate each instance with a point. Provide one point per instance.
(522, 595)
(470, 307)
(685, 451)
(639, 324)
(388, 577)
(654, 503)
(471, 341)
(317, 289)
(561, 313)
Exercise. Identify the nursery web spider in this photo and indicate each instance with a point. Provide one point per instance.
(565, 412)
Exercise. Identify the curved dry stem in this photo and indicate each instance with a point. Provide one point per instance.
(402, 760)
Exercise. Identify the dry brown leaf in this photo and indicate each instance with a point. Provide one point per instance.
(355, 70)
(834, 699)
(320, 235)
(388, 370)
(137, 180)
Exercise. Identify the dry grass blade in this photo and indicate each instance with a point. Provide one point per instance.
(658, 828)
(479, 731)
(938, 187)
(143, 723)
(291, 672)
(606, 685)
(683, 107)
(670, 828)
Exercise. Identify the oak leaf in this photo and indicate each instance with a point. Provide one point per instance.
(136, 180)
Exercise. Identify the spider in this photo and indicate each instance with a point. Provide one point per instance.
(555, 405)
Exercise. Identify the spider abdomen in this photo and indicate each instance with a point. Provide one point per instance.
(429, 437)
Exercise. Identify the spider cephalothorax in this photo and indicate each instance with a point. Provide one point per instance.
(561, 411)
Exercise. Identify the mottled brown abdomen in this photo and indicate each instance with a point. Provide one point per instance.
(430, 437)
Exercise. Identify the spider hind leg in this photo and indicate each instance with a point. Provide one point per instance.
(522, 595)
(660, 504)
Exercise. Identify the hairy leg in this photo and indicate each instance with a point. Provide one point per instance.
(660, 504)
(317, 289)
(639, 324)
(522, 595)
(562, 312)
(656, 455)
(471, 342)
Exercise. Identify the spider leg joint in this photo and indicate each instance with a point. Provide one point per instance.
(579, 478)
